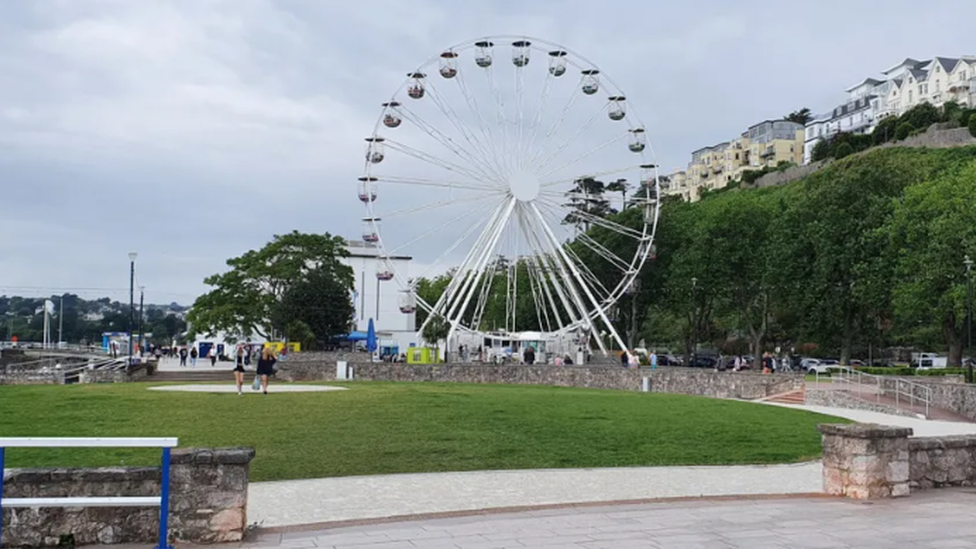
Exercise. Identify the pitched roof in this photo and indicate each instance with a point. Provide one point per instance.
(868, 81)
(948, 63)
(919, 74)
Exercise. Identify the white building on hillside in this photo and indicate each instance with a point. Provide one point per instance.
(377, 295)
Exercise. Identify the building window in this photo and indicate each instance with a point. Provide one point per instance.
(909, 96)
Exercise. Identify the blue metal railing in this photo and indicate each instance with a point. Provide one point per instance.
(162, 501)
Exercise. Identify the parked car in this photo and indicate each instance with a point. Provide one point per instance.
(704, 361)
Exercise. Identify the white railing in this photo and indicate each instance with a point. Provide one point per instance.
(904, 392)
(161, 501)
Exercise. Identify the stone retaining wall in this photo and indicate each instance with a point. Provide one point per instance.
(835, 398)
(876, 461)
(943, 461)
(208, 501)
(689, 381)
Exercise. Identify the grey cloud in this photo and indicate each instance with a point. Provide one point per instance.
(192, 131)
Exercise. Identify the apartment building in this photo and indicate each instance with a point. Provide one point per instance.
(904, 86)
(764, 144)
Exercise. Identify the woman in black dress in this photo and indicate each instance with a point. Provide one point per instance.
(239, 370)
(266, 367)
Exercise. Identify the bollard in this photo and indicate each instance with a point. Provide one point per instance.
(341, 370)
(646, 385)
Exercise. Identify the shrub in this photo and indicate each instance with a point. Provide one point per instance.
(821, 151)
(861, 142)
(885, 130)
(965, 116)
(904, 130)
(972, 125)
(922, 115)
(843, 150)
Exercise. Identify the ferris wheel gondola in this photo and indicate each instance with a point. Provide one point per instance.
(498, 170)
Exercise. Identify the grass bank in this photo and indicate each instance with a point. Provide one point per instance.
(377, 428)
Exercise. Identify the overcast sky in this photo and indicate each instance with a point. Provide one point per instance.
(191, 131)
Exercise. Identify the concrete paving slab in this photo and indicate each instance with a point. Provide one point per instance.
(232, 388)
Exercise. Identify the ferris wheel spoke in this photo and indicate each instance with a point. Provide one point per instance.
(474, 276)
(554, 127)
(536, 276)
(572, 138)
(596, 175)
(483, 124)
(583, 156)
(566, 274)
(537, 121)
(600, 312)
(442, 203)
(440, 162)
(501, 120)
(582, 265)
(602, 222)
(465, 185)
(438, 229)
(465, 132)
(603, 252)
(548, 272)
(440, 306)
(485, 168)
(519, 86)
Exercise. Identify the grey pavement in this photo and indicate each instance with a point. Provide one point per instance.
(310, 501)
(921, 427)
(937, 519)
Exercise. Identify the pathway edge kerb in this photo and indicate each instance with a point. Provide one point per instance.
(328, 525)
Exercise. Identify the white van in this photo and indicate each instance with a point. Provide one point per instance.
(928, 361)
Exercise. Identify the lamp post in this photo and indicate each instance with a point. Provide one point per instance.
(968, 262)
(132, 307)
(142, 294)
(694, 323)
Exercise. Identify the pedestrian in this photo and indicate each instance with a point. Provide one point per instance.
(266, 367)
(247, 353)
(767, 362)
(213, 355)
(737, 364)
(654, 360)
(529, 355)
(623, 359)
(239, 370)
(193, 357)
(183, 355)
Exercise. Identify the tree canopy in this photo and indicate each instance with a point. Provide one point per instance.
(247, 299)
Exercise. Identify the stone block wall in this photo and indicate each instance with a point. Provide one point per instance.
(208, 501)
(689, 381)
(834, 398)
(943, 461)
(864, 461)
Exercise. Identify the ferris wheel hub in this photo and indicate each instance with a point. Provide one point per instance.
(524, 186)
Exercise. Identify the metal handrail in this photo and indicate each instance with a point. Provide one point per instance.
(161, 501)
(912, 392)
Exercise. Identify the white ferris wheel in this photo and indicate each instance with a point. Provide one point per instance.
(517, 166)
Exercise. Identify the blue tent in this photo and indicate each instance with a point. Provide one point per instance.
(371, 337)
(357, 336)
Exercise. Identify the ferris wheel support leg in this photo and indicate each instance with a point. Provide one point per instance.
(439, 308)
(485, 255)
(579, 278)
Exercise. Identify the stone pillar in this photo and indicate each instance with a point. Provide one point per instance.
(865, 461)
(208, 494)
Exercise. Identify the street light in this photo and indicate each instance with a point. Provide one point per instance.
(132, 305)
(694, 323)
(968, 262)
(142, 294)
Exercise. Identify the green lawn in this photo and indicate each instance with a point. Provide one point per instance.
(376, 428)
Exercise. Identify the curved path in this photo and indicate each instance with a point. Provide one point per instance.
(232, 388)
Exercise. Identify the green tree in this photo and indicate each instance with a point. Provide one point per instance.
(884, 131)
(921, 116)
(318, 307)
(244, 300)
(903, 131)
(843, 150)
(586, 201)
(972, 125)
(619, 186)
(435, 331)
(931, 229)
(821, 151)
(801, 116)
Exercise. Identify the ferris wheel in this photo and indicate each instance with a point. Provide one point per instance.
(517, 167)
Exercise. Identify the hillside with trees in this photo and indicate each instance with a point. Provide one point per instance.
(865, 254)
(85, 321)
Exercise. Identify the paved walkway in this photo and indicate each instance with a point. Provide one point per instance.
(921, 427)
(299, 502)
(936, 519)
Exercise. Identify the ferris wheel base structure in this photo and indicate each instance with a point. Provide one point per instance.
(499, 163)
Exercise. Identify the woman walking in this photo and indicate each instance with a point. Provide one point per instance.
(239, 371)
(266, 367)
